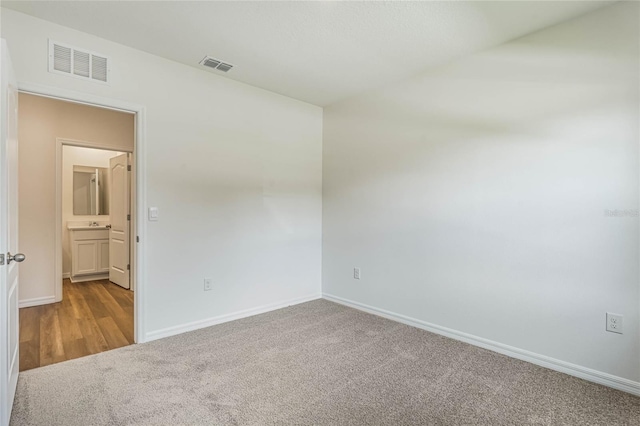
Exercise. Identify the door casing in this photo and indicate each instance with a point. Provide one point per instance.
(60, 143)
(138, 190)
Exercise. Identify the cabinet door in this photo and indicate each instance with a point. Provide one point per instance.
(103, 256)
(85, 260)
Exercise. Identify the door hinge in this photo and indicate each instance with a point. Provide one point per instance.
(129, 167)
(1, 259)
(128, 267)
(128, 217)
(137, 239)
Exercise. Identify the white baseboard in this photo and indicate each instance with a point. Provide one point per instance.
(195, 325)
(66, 275)
(85, 278)
(581, 372)
(36, 301)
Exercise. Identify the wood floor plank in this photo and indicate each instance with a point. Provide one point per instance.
(51, 348)
(112, 333)
(76, 309)
(30, 323)
(75, 348)
(123, 296)
(116, 312)
(80, 307)
(93, 317)
(94, 339)
(68, 323)
(29, 355)
(93, 301)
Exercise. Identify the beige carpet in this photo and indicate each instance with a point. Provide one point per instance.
(318, 363)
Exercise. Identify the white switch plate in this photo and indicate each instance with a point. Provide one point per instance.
(208, 284)
(356, 273)
(614, 323)
(153, 214)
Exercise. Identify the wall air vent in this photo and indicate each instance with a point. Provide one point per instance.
(79, 63)
(215, 64)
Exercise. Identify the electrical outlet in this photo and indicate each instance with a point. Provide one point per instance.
(614, 323)
(208, 284)
(356, 273)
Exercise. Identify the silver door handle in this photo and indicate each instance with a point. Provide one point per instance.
(17, 257)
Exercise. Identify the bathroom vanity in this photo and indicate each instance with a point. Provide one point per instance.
(89, 252)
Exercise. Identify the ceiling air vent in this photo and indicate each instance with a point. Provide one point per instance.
(215, 64)
(79, 63)
(224, 67)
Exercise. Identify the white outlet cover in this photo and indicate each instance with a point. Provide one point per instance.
(356, 273)
(614, 323)
(208, 284)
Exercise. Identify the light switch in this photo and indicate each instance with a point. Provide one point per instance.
(153, 214)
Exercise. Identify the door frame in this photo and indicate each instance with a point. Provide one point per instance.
(138, 190)
(60, 143)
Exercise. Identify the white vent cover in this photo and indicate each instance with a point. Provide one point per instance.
(216, 64)
(79, 63)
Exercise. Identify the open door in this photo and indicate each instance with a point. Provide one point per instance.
(120, 219)
(9, 257)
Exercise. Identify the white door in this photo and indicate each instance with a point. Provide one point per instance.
(9, 256)
(119, 212)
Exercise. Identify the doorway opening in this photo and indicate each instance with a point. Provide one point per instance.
(90, 176)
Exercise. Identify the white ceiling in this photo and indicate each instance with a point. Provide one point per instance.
(318, 52)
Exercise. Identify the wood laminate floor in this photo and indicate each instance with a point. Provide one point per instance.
(94, 316)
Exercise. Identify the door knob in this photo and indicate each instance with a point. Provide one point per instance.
(17, 257)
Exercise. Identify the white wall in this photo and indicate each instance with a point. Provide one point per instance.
(473, 197)
(78, 156)
(234, 170)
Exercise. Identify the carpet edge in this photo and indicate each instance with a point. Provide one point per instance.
(595, 376)
(208, 322)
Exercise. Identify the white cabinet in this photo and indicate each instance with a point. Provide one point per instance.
(89, 254)
(103, 256)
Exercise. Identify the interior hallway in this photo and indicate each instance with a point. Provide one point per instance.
(94, 316)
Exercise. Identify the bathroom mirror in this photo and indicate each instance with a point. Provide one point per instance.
(90, 191)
